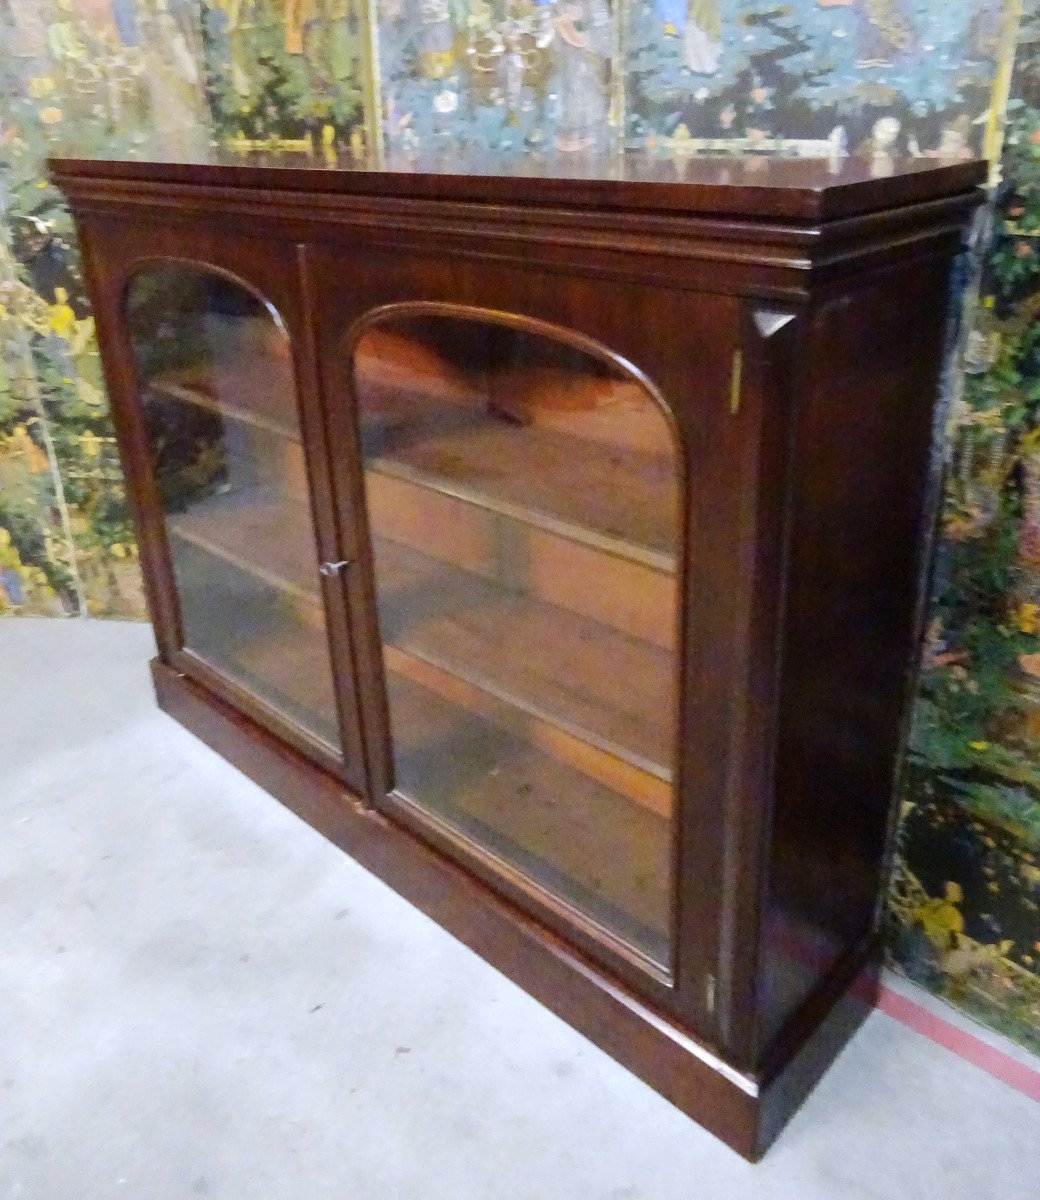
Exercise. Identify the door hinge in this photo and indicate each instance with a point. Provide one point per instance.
(735, 382)
(709, 993)
(329, 569)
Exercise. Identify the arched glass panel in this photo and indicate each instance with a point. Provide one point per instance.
(219, 398)
(523, 489)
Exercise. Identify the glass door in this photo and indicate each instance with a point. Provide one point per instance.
(219, 400)
(523, 487)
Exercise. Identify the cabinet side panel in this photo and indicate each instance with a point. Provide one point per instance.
(860, 494)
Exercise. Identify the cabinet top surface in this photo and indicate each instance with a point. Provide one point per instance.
(814, 189)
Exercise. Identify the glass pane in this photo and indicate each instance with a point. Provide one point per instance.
(220, 404)
(524, 496)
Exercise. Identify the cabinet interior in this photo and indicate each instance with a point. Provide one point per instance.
(522, 500)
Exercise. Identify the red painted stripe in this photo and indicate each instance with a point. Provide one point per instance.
(1015, 1074)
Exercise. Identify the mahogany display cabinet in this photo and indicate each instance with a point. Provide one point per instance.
(554, 544)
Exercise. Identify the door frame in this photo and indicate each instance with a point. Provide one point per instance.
(269, 270)
(734, 445)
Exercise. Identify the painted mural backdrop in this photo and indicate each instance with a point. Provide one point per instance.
(573, 74)
(291, 72)
(813, 69)
(95, 76)
(966, 901)
(917, 77)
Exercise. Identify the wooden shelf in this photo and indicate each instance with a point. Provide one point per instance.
(567, 829)
(577, 838)
(602, 700)
(636, 600)
(617, 499)
(620, 500)
(583, 678)
(241, 625)
(263, 533)
(254, 390)
(292, 674)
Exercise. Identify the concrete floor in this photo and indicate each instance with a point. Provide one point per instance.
(201, 997)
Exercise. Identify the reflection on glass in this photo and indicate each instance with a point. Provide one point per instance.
(216, 372)
(524, 494)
